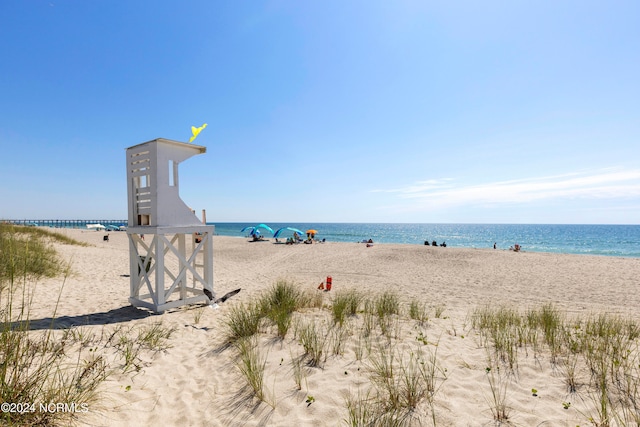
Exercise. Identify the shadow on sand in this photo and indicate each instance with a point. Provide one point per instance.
(117, 315)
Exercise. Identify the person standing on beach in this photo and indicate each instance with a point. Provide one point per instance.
(494, 245)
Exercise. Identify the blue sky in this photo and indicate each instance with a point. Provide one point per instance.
(332, 111)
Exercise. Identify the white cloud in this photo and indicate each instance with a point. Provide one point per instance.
(420, 186)
(609, 183)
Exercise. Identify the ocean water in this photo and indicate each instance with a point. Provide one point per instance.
(609, 240)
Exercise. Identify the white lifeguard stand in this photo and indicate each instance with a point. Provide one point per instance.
(170, 249)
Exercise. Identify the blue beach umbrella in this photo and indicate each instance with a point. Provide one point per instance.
(254, 230)
(250, 229)
(266, 227)
(280, 230)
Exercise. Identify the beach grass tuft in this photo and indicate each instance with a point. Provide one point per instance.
(418, 312)
(279, 304)
(313, 339)
(401, 382)
(603, 347)
(298, 370)
(155, 336)
(251, 364)
(498, 384)
(26, 255)
(37, 365)
(597, 355)
(130, 351)
(242, 321)
(339, 309)
(387, 304)
(345, 303)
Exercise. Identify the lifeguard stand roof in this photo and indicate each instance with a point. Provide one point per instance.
(153, 183)
(201, 149)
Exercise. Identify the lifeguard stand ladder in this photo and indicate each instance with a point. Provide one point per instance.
(170, 250)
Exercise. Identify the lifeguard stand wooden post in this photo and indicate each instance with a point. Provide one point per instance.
(170, 250)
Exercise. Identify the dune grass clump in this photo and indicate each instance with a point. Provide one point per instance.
(313, 339)
(42, 234)
(251, 364)
(279, 304)
(129, 351)
(362, 410)
(339, 310)
(339, 307)
(131, 341)
(599, 357)
(404, 381)
(418, 312)
(401, 382)
(502, 328)
(243, 321)
(354, 300)
(610, 350)
(298, 371)
(551, 322)
(311, 298)
(38, 369)
(387, 309)
(345, 303)
(35, 364)
(155, 336)
(25, 254)
(387, 304)
(498, 385)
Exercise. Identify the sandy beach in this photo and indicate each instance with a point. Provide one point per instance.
(195, 381)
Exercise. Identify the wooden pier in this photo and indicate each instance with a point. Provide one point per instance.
(65, 223)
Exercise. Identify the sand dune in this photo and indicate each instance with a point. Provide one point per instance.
(196, 381)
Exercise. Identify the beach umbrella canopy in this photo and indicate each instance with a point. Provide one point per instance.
(251, 230)
(254, 230)
(266, 227)
(312, 231)
(280, 230)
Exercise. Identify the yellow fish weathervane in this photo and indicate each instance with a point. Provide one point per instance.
(196, 131)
